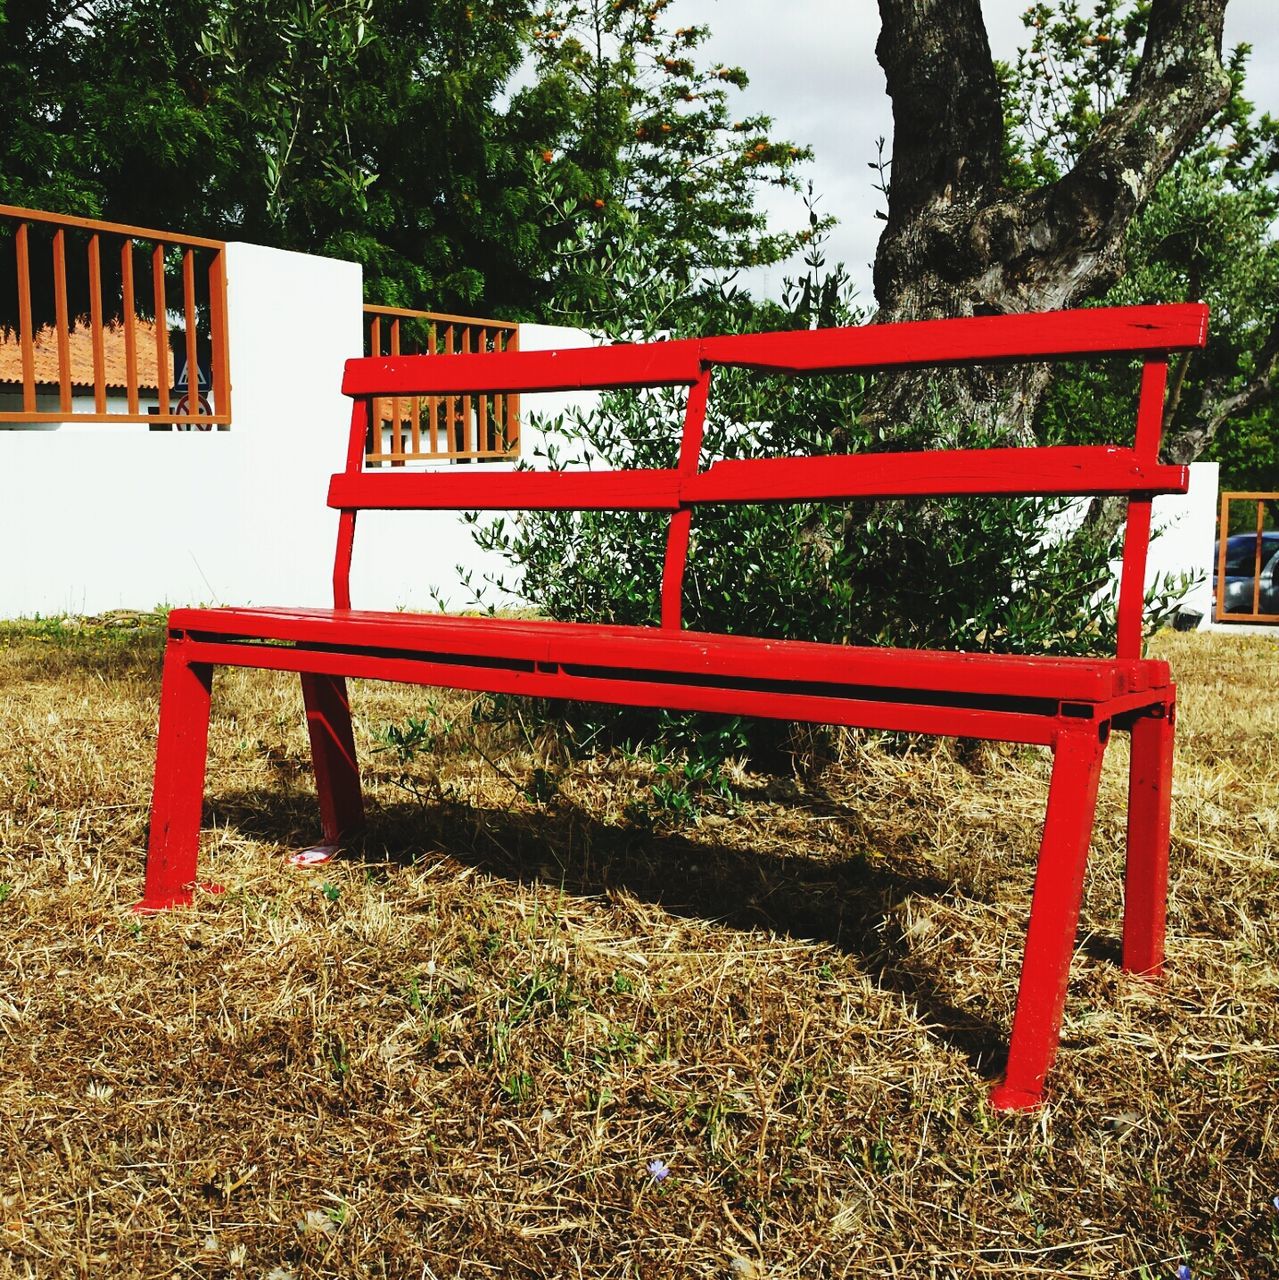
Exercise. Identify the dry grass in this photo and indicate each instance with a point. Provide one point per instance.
(456, 1054)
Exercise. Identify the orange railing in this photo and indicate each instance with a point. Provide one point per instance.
(1251, 592)
(85, 344)
(440, 428)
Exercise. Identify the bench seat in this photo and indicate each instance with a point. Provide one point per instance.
(592, 661)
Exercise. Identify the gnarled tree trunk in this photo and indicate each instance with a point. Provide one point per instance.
(958, 243)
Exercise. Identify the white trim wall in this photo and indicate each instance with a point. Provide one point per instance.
(96, 517)
(103, 516)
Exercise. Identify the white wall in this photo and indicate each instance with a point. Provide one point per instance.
(1185, 526)
(96, 517)
(102, 516)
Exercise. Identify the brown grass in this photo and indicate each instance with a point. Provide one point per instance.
(456, 1053)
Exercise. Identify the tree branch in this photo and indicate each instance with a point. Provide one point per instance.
(1179, 86)
(1183, 443)
(957, 242)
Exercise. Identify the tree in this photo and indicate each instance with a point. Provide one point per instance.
(1205, 234)
(387, 131)
(967, 234)
(640, 164)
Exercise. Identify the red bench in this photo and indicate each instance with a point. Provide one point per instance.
(1068, 704)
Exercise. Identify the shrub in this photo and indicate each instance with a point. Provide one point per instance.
(980, 574)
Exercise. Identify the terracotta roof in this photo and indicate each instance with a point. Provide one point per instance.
(81, 342)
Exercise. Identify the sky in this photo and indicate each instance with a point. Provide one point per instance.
(812, 68)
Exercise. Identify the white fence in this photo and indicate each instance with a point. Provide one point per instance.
(96, 517)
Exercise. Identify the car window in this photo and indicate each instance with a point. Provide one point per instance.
(1241, 553)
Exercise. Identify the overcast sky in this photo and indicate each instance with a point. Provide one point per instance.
(812, 68)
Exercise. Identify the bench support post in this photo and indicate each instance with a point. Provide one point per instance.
(1149, 826)
(178, 796)
(1054, 916)
(337, 775)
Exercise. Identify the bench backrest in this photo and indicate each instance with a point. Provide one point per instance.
(1133, 471)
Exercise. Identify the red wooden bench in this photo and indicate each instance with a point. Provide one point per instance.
(1068, 704)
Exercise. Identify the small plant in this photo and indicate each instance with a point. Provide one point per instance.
(880, 1156)
(518, 1088)
(542, 787)
(414, 736)
(336, 1056)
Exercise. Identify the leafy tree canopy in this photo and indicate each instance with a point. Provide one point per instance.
(471, 154)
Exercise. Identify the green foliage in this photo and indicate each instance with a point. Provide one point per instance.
(643, 169)
(1077, 66)
(983, 575)
(393, 132)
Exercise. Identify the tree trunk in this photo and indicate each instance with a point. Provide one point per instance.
(958, 243)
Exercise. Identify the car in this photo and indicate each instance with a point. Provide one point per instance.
(1241, 566)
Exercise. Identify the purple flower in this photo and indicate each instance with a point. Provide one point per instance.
(658, 1170)
(1183, 1271)
(1275, 1202)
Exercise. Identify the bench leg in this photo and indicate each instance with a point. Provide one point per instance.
(179, 783)
(1054, 917)
(337, 775)
(1149, 824)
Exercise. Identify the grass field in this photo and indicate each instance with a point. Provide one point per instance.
(458, 1051)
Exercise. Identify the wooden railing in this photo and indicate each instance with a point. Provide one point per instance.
(91, 342)
(440, 428)
(1260, 598)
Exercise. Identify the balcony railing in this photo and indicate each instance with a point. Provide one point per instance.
(85, 336)
(440, 428)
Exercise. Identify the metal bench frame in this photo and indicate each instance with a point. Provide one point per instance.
(1070, 705)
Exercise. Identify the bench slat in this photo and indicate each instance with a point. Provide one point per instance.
(454, 490)
(972, 340)
(1033, 472)
(969, 340)
(665, 650)
(655, 364)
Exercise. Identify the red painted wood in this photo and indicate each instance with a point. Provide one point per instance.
(677, 534)
(337, 776)
(976, 340)
(456, 490)
(1085, 469)
(692, 653)
(655, 364)
(178, 790)
(866, 713)
(1054, 917)
(1132, 579)
(1081, 469)
(1149, 829)
(361, 420)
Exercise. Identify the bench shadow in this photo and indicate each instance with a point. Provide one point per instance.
(845, 903)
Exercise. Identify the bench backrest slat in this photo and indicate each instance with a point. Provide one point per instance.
(1092, 470)
(922, 343)
(508, 491)
(1084, 470)
(1132, 471)
(657, 364)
